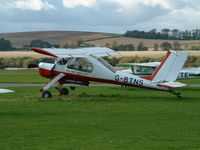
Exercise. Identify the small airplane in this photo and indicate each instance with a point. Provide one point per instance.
(5, 91)
(142, 69)
(82, 65)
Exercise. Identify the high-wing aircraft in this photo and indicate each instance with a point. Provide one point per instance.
(142, 69)
(80, 66)
(5, 91)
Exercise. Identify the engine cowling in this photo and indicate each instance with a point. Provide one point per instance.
(45, 69)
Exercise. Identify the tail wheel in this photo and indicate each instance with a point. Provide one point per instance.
(72, 88)
(64, 91)
(46, 94)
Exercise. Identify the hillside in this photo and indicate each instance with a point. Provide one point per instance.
(96, 38)
(54, 37)
(148, 42)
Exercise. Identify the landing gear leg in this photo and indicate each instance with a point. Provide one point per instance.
(44, 90)
(178, 94)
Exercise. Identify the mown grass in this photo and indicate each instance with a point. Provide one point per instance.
(21, 76)
(100, 118)
(32, 76)
(190, 81)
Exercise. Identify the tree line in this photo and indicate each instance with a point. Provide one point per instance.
(165, 34)
(6, 45)
(30, 62)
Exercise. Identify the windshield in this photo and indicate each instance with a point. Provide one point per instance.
(107, 65)
(81, 64)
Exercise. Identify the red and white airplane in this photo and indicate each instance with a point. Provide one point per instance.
(80, 66)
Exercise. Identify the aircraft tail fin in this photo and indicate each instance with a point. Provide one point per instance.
(169, 68)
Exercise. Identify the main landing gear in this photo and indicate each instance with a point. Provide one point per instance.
(178, 94)
(46, 94)
(62, 91)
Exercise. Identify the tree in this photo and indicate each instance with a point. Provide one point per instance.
(174, 33)
(165, 33)
(5, 44)
(165, 46)
(156, 47)
(40, 43)
(142, 47)
(65, 45)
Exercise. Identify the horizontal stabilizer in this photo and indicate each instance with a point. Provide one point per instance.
(171, 84)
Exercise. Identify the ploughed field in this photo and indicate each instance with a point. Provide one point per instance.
(100, 118)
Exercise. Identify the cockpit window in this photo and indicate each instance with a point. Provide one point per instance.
(63, 61)
(80, 64)
(107, 65)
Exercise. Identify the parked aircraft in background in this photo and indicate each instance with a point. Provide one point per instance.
(5, 91)
(142, 69)
(80, 66)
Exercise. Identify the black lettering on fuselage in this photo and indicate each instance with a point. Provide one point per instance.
(126, 79)
(141, 82)
(136, 82)
(117, 78)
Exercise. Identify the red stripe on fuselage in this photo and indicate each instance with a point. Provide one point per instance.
(151, 77)
(86, 78)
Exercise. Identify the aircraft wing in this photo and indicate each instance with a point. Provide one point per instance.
(5, 91)
(79, 52)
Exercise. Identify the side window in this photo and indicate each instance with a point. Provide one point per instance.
(63, 61)
(80, 64)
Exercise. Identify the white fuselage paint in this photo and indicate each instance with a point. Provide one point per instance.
(101, 72)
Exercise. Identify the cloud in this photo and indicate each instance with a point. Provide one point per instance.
(99, 15)
(34, 5)
(75, 3)
(132, 3)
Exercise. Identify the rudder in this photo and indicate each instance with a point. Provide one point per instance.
(169, 68)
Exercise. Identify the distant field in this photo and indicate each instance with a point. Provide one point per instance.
(100, 118)
(148, 42)
(153, 54)
(54, 37)
(20, 39)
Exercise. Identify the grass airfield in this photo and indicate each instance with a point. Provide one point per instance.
(98, 118)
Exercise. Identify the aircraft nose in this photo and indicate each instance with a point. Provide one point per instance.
(45, 69)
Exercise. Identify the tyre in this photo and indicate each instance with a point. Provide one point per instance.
(64, 91)
(46, 94)
(72, 88)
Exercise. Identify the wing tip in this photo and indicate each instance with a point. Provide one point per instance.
(42, 51)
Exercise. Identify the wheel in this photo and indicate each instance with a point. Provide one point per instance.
(64, 91)
(46, 94)
(72, 88)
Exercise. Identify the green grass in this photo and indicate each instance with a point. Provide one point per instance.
(100, 118)
(21, 76)
(32, 76)
(190, 81)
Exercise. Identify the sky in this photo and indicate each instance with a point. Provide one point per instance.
(112, 16)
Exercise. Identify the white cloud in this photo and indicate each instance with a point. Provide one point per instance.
(75, 3)
(35, 5)
(131, 3)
